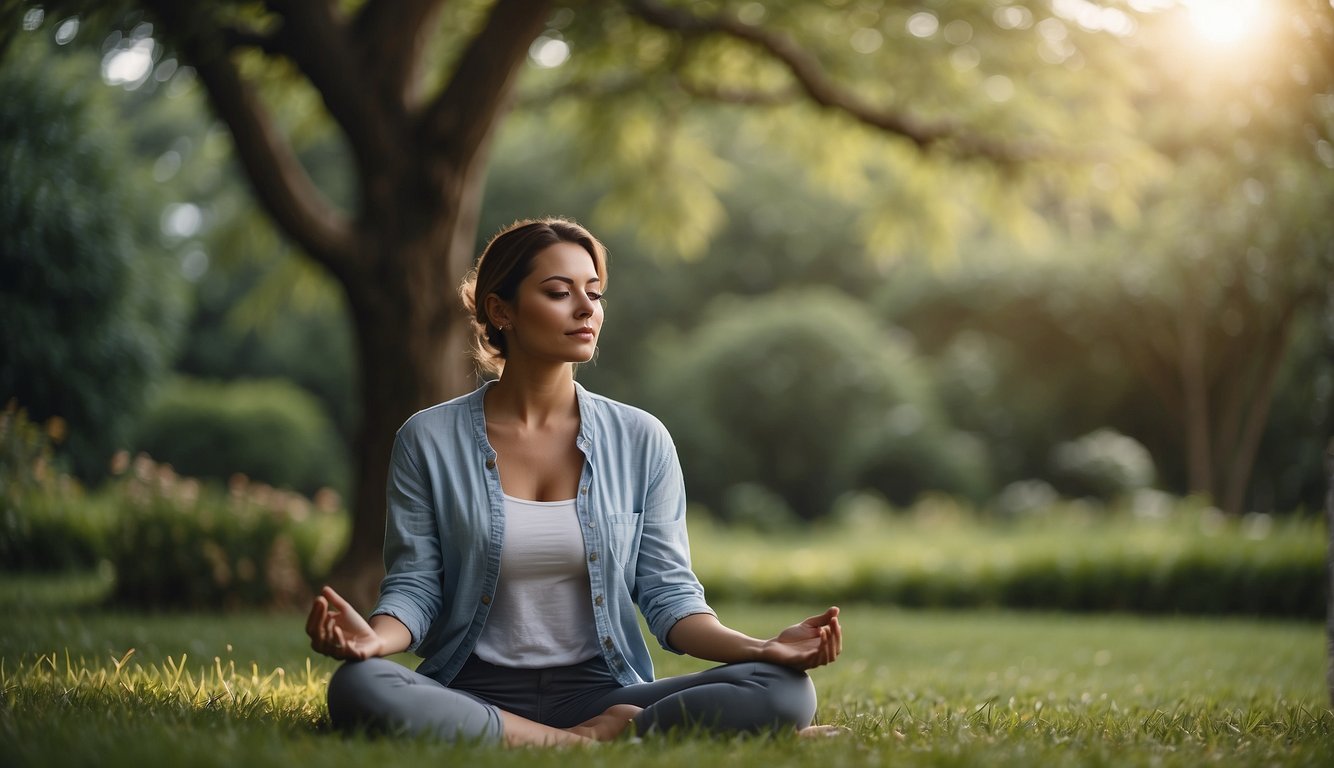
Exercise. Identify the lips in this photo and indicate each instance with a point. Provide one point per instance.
(585, 334)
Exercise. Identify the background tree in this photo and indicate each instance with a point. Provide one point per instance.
(90, 301)
(1233, 257)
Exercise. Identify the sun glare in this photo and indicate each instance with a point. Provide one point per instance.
(1224, 21)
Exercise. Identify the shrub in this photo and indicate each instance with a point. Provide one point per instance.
(46, 521)
(1104, 464)
(268, 430)
(1074, 557)
(180, 543)
(804, 394)
(754, 506)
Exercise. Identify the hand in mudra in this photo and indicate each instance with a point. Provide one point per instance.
(337, 630)
(812, 643)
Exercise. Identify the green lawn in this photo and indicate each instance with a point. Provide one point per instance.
(916, 688)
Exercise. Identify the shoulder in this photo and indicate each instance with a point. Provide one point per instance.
(614, 419)
(451, 414)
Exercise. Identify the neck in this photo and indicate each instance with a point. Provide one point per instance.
(532, 395)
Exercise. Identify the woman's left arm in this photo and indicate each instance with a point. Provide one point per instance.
(812, 643)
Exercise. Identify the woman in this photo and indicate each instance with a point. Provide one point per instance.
(526, 523)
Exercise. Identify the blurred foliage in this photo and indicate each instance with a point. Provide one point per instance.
(90, 302)
(1173, 181)
(269, 430)
(182, 544)
(1012, 86)
(46, 521)
(242, 329)
(805, 394)
(1144, 553)
(1103, 465)
(170, 542)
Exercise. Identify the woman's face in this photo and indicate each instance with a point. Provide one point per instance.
(556, 314)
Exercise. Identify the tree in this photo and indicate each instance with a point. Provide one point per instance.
(1233, 255)
(417, 88)
(89, 303)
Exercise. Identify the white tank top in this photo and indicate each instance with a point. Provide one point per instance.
(542, 613)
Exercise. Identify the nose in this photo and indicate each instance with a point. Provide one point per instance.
(585, 307)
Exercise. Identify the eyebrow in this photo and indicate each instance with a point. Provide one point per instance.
(569, 281)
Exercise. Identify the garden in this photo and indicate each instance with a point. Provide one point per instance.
(1075, 636)
(1005, 327)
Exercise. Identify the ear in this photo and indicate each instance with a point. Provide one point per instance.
(498, 311)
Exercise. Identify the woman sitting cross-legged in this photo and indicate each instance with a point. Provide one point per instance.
(527, 522)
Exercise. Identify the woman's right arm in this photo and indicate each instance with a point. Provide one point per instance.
(338, 631)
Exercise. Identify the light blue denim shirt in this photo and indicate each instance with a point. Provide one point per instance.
(446, 524)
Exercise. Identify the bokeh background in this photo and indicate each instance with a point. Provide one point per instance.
(942, 273)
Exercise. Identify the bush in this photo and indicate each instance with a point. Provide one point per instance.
(268, 430)
(183, 544)
(173, 542)
(804, 394)
(754, 506)
(46, 521)
(1104, 464)
(1073, 557)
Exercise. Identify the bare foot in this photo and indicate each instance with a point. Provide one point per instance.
(821, 731)
(607, 725)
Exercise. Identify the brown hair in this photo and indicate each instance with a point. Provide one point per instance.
(504, 263)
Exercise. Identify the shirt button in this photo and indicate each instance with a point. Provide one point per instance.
(593, 558)
(584, 490)
(592, 524)
(597, 600)
(490, 463)
(486, 599)
(607, 642)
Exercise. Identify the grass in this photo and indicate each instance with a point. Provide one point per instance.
(917, 688)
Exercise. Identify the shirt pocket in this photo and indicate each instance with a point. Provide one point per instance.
(623, 537)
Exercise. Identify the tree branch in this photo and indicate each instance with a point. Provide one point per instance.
(280, 182)
(740, 96)
(465, 111)
(811, 78)
(1243, 457)
(390, 37)
(317, 40)
(245, 37)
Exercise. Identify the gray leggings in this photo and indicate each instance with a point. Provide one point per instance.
(382, 696)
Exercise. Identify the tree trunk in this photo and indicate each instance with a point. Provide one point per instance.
(412, 338)
(1195, 398)
(413, 354)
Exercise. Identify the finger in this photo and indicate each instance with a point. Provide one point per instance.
(318, 609)
(838, 634)
(337, 601)
(339, 642)
(330, 629)
(823, 618)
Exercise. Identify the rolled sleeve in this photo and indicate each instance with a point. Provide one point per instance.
(411, 590)
(667, 590)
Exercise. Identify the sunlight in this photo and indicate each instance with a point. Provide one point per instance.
(1224, 21)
